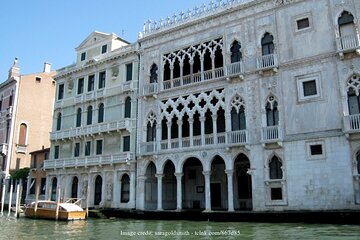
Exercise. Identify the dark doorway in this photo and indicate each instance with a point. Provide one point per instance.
(243, 183)
(98, 188)
(53, 189)
(74, 187)
(215, 189)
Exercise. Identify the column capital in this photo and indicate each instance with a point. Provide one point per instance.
(202, 118)
(206, 173)
(179, 122)
(214, 117)
(229, 172)
(142, 177)
(168, 124)
(159, 175)
(179, 175)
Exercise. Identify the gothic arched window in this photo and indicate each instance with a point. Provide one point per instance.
(353, 86)
(153, 74)
(272, 113)
(89, 115)
(238, 120)
(101, 113)
(267, 44)
(275, 168)
(58, 122)
(78, 117)
(236, 55)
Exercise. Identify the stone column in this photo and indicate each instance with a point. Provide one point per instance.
(178, 191)
(116, 191)
(132, 190)
(171, 74)
(158, 136)
(180, 122)
(230, 174)
(212, 65)
(228, 128)
(169, 133)
(202, 121)
(207, 175)
(202, 67)
(181, 72)
(214, 118)
(140, 198)
(48, 188)
(191, 131)
(191, 70)
(159, 191)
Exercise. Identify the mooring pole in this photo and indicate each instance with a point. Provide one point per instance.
(87, 200)
(10, 199)
(3, 197)
(58, 204)
(17, 200)
(36, 198)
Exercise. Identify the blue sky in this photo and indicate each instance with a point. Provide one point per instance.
(38, 31)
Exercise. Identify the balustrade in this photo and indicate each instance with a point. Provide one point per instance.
(347, 42)
(352, 123)
(269, 134)
(87, 161)
(267, 61)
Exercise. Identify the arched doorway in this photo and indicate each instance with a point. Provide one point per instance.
(218, 184)
(193, 184)
(98, 189)
(74, 187)
(242, 183)
(125, 188)
(151, 187)
(169, 187)
(53, 189)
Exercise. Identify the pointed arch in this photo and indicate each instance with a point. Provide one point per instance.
(235, 50)
(154, 73)
(267, 44)
(89, 115)
(272, 112)
(275, 168)
(101, 113)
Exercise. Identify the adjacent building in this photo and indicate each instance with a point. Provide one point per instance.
(26, 104)
(92, 153)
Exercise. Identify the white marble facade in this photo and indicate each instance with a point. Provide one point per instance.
(235, 105)
(245, 106)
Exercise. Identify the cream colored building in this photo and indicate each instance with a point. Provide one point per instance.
(26, 116)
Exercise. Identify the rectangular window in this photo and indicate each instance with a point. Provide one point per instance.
(56, 152)
(102, 77)
(303, 23)
(32, 186)
(309, 88)
(80, 89)
(316, 149)
(83, 56)
(126, 144)
(99, 147)
(46, 155)
(91, 81)
(276, 194)
(129, 69)
(87, 148)
(0, 105)
(43, 186)
(103, 49)
(34, 161)
(38, 79)
(77, 150)
(60, 92)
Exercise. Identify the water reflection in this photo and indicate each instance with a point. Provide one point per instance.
(12, 228)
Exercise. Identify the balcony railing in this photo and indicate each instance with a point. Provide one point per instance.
(235, 69)
(236, 137)
(348, 42)
(270, 134)
(87, 161)
(4, 148)
(20, 148)
(352, 123)
(230, 138)
(150, 89)
(91, 129)
(267, 62)
(194, 78)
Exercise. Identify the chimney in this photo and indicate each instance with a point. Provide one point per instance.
(47, 67)
(14, 70)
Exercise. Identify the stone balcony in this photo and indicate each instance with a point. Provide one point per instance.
(20, 148)
(229, 139)
(352, 124)
(93, 129)
(3, 149)
(347, 44)
(101, 160)
(7, 113)
(267, 62)
(271, 135)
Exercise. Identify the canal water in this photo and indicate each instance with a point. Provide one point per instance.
(23, 229)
